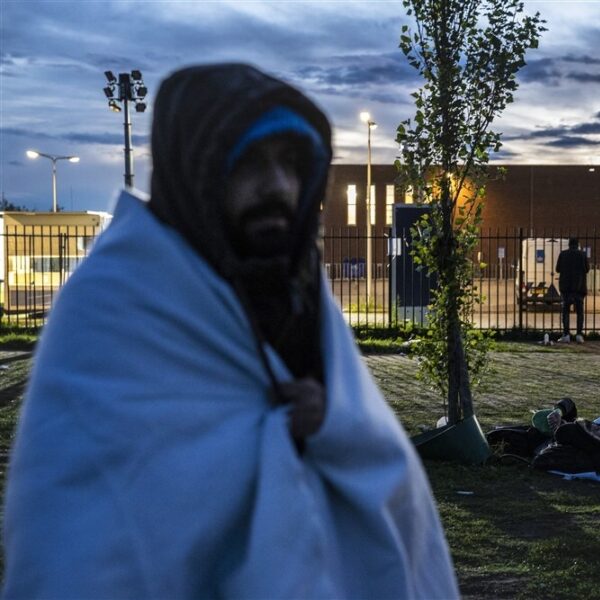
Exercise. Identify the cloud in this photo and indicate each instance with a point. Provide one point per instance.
(361, 70)
(16, 163)
(380, 78)
(566, 136)
(503, 154)
(584, 59)
(541, 70)
(552, 70)
(569, 141)
(106, 139)
(105, 62)
(585, 77)
(587, 128)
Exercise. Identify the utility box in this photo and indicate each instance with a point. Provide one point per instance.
(410, 285)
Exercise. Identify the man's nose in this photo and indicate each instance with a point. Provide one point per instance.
(278, 181)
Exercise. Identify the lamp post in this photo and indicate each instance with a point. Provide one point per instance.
(33, 154)
(128, 88)
(365, 117)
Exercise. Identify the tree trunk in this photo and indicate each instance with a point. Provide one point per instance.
(460, 402)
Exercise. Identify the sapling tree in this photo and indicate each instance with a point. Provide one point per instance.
(468, 53)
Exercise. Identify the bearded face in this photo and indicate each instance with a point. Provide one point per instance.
(262, 196)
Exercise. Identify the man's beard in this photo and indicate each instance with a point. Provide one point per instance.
(263, 232)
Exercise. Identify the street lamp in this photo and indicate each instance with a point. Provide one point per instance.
(365, 117)
(33, 154)
(129, 87)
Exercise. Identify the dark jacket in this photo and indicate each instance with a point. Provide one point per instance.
(572, 266)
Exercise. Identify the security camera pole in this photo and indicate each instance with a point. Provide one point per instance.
(129, 88)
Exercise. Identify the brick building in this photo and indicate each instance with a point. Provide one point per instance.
(551, 197)
(540, 200)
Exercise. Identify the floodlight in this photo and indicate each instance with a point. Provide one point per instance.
(54, 159)
(365, 117)
(130, 88)
(372, 125)
(591, 169)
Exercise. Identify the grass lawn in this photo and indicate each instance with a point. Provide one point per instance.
(521, 533)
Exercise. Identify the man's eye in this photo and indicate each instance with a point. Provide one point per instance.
(289, 157)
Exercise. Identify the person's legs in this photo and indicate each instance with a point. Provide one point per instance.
(566, 305)
(578, 301)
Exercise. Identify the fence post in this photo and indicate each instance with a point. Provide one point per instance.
(390, 278)
(520, 279)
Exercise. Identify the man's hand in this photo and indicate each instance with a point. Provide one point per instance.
(306, 398)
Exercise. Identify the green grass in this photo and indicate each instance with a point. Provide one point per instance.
(17, 338)
(521, 534)
(14, 370)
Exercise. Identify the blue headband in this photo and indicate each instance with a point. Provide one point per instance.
(277, 121)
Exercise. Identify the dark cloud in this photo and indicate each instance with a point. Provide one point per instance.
(585, 77)
(566, 135)
(107, 139)
(15, 163)
(550, 71)
(584, 59)
(361, 70)
(106, 62)
(9, 60)
(587, 128)
(24, 133)
(544, 133)
(571, 141)
(542, 70)
(503, 154)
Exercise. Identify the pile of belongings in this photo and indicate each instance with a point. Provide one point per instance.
(556, 441)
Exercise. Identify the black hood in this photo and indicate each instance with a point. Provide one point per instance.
(199, 114)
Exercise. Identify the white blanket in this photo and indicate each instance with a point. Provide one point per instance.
(150, 464)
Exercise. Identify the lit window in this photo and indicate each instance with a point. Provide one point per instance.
(389, 204)
(408, 195)
(373, 206)
(351, 192)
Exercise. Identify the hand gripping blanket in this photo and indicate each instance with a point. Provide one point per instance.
(149, 462)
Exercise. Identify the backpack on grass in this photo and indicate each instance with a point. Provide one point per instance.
(520, 440)
(560, 457)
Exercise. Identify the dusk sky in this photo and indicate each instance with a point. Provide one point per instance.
(345, 55)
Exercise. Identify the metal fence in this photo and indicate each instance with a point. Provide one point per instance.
(516, 285)
(515, 282)
(35, 262)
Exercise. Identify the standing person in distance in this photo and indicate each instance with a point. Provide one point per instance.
(572, 266)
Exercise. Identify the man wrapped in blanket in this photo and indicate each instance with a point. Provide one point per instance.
(199, 423)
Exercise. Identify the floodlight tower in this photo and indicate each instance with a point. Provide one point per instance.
(128, 88)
